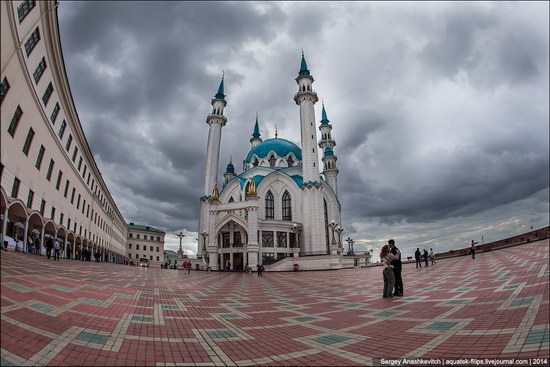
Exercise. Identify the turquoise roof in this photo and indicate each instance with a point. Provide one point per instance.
(329, 152)
(325, 120)
(220, 94)
(257, 179)
(303, 66)
(281, 147)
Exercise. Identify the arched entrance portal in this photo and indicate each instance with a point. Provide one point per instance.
(232, 238)
(16, 226)
(49, 235)
(36, 233)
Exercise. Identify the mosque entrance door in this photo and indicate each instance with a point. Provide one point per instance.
(238, 261)
(226, 262)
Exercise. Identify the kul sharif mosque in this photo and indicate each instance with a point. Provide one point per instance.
(283, 208)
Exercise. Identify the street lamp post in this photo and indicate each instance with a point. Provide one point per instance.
(350, 242)
(295, 247)
(180, 251)
(339, 231)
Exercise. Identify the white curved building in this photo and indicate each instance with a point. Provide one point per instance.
(281, 205)
(50, 183)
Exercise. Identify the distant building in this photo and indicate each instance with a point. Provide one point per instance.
(145, 241)
(50, 185)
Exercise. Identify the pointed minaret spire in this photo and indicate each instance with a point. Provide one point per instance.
(276, 133)
(220, 94)
(303, 66)
(324, 120)
(256, 139)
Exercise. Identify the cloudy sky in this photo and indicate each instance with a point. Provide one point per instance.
(440, 111)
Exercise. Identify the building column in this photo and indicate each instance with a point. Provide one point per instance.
(25, 236)
(42, 246)
(65, 247)
(231, 267)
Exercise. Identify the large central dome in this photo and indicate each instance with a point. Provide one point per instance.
(281, 147)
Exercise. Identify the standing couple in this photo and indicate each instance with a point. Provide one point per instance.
(391, 257)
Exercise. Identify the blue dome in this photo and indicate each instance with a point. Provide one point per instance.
(281, 147)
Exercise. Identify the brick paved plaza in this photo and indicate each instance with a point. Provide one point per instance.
(76, 313)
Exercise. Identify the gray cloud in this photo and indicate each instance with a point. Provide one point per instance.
(440, 111)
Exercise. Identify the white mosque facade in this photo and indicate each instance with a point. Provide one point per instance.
(283, 208)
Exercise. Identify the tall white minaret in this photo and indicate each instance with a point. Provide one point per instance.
(216, 120)
(330, 170)
(306, 99)
(312, 238)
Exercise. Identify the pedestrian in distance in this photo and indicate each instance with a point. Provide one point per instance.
(417, 258)
(432, 256)
(473, 249)
(397, 268)
(184, 265)
(57, 250)
(260, 268)
(37, 245)
(425, 255)
(189, 268)
(49, 247)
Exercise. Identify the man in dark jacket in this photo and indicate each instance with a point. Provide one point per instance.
(417, 258)
(49, 247)
(425, 254)
(397, 267)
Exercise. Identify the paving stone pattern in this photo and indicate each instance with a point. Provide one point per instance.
(82, 314)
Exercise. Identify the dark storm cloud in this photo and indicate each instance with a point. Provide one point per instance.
(439, 111)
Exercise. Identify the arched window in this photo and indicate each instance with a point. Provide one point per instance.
(287, 206)
(272, 161)
(231, 199)
(290, 161)
(269, 206)
(255, 162)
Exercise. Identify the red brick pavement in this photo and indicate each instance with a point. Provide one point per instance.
(79, 313)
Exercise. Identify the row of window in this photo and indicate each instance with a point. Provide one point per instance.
(144, 247)
(140, 257)
(151, 237)
(270, 206)
(12, 129)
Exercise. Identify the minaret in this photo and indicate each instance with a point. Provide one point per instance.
(306, 99)
(326, 128)
(330, 170)
(216, 120)
(326, 143)
(313, 234)
(255, 140)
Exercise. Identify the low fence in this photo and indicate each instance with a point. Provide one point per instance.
(533, 236)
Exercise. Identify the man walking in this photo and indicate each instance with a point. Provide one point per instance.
(49, 247)
(397, 268)
(432, 256)
(473, 249)
(425, 255)
(417, 258)
(57, 250)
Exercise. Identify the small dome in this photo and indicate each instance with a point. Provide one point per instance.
(328, 152)
(230, 168)
(281, 147)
